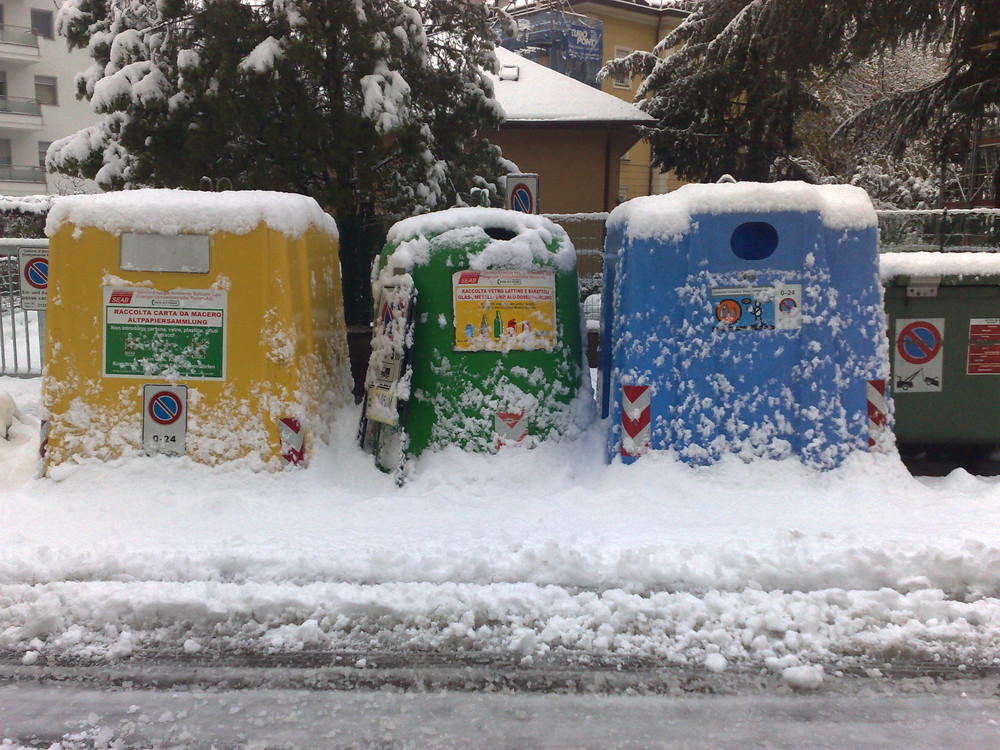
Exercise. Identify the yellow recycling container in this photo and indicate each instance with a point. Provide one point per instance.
(208, 325)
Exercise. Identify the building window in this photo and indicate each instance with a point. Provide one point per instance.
(41, 23)
(45, 90)
(3, 84)
(43, 147)
(622, 81)
(5, 152)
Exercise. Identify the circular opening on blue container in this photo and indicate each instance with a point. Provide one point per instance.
(754, 240)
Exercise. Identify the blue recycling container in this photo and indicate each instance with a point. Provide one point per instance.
(744, 318)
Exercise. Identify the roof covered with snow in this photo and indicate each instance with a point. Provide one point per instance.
(670, 215)
(529, 92)
(190, 212)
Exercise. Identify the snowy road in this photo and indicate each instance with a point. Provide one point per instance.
(542, 568)
(861, 714)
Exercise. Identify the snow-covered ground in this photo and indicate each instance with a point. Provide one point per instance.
(541, 553)
(956, 715)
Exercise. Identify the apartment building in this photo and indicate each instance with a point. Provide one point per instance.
(616, 28)
(38, 101)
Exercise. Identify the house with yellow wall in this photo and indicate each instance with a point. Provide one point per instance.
(571, 135)
(625, 26)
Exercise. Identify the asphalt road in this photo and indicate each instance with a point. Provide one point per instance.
(254, 708)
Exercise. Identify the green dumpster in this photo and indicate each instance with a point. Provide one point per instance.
(943, 312)
(477, 340)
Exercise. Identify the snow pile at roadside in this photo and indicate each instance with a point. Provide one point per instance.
(543, 552)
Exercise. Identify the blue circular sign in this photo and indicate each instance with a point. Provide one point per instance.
(521, 200)
(165, 408)
(36, 272)
(919, 342)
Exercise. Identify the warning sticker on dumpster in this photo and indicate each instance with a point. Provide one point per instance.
(984, 347)
(918, 356)
(389, 346)
(504, 310)
(148, 333)
(740, 308)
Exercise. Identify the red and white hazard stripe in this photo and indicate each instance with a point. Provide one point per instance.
(636, 431)
(293, 442)
(878, 414)
(510, 427)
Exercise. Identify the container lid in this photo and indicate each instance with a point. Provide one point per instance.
(952, 267)
(512, 239)
(669, 216)
(155, 211)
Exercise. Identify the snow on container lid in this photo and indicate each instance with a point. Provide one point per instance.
(952, 263)
(157, 211)
(514, 239)
(669, 216)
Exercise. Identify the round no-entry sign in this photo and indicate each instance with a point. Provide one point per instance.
(919, 342)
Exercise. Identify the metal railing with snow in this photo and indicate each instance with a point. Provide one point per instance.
(744, 318)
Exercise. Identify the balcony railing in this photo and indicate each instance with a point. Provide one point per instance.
(15, 173)
(19, 105)
(18, 35)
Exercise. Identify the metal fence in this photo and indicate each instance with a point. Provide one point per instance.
(587, 233)
(944, 230)
(21, 331)
(978, 230)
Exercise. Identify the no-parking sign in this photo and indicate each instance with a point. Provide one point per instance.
(164, 419)
(34, 265)
(522, 193)
(918, 355)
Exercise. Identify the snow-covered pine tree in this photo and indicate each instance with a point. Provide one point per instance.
(742, 72)
(910, 180)
(964, 35)
(360, 104)
(723, 103)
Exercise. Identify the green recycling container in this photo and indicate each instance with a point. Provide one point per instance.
(943, 312)
(477, 339)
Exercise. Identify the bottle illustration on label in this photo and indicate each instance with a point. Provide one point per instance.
(484, 327)
(470, 331)
(497, 326)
